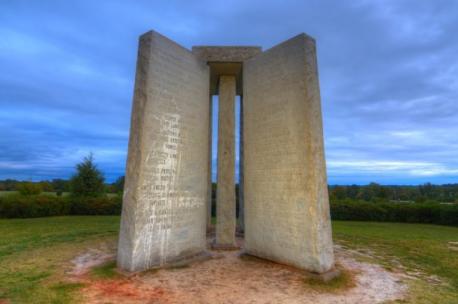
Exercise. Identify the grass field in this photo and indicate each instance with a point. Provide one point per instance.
(3, 193)
(34, 254)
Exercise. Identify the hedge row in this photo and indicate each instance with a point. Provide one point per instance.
(430, 213)
(22, 206)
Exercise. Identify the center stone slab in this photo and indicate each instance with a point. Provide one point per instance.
(225, 195)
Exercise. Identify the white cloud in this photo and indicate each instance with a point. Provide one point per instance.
(412, 168)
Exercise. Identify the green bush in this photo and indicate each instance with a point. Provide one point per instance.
(23, 206)
(29, 188)
(27, 206)
(102, 205)
(430, 213)
(88, 181)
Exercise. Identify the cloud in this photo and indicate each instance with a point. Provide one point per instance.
(396, 167)
(387, 74)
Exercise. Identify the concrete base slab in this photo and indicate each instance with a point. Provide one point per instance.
(239, 234)
(325, 276)
(211, 230)
(203, 256)
(215, 246)
(179, 263)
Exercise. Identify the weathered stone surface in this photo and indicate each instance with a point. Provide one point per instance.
(225, 53)
(225, 60)
(286, 200)
(225, 194)
(165, 195)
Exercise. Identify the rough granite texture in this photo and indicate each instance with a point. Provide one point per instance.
(225, 60)
(287, 215)
(165, 194)
(225, 193)
(225, 53)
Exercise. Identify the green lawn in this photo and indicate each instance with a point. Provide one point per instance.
(2, 193)
(418, 247)
(35, 252)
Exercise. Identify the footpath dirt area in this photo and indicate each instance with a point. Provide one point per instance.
(228, 277)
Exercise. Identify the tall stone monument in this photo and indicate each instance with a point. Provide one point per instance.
(167, 194)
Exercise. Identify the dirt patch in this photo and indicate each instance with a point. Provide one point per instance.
(374, 284)
(123, 291)
(453, 246)
(93, 257)
(227, 278)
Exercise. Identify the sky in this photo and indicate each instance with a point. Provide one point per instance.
(388, 74)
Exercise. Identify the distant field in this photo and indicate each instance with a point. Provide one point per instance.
(7, 192)
(34, 254)
(48, 193)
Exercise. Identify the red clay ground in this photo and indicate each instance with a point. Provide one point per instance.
(227, 278)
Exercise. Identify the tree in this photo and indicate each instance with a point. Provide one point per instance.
(8, 185)
(338, 193)
(88, 180)
(60, 186)
(46, 186)
(29, 188)
(352, 191)
(118, 185)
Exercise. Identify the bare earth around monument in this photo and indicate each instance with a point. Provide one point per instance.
(227, 278)
(284, 207)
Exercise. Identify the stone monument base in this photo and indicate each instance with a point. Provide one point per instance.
(325, 276)
(322, 277)
(215, 246)
(177, 263)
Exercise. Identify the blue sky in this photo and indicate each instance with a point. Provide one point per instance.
(388, 74)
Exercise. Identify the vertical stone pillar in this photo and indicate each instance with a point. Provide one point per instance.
(225, 207)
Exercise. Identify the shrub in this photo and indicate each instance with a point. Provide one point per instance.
(430, 213)
(88, 180)
(28, 206)
(102, 205)
(23, 206)
(29, 188)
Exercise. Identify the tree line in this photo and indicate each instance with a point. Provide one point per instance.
(87, 181)
(373, 192)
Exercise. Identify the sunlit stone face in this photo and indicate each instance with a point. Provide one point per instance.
(167, 189)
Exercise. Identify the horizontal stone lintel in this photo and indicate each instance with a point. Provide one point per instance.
(226, 53)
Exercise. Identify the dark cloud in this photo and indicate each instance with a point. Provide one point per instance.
(388, 73)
